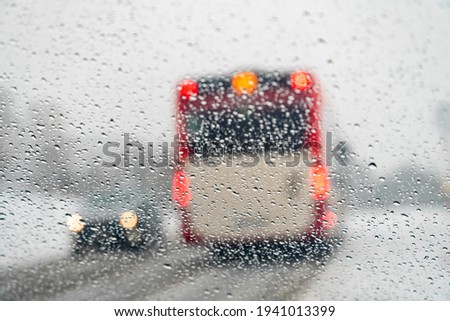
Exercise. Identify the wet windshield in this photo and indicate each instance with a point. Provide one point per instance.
(97, 202)
(258, 127)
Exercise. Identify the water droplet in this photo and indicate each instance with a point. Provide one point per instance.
(372, 165)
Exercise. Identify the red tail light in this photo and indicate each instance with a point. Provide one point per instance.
(319, 182)
(188, 88)
(329, 220)
(181, 192)
(300, 80)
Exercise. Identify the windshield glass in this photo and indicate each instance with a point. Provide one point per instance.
(98, 200)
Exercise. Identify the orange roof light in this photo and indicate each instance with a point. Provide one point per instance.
(244, 82)
(300, 80)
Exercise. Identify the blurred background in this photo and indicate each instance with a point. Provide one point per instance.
(77, 74)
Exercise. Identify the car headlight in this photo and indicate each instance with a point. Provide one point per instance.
(75, 223)
(128, 220)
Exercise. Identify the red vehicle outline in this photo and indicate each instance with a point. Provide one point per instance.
(319, 181)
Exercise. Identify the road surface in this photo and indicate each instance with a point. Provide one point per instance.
(386, 256)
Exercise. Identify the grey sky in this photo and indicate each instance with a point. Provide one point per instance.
(383, 65)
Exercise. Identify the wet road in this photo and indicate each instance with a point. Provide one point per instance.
(177, 273)
(401, 255)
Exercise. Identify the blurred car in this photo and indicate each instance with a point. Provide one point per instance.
(249, 162)
(115, 221)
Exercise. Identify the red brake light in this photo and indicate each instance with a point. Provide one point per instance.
(188, 88)
(181, 192)
(329, 220)
(300, 80)
(319, 182)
